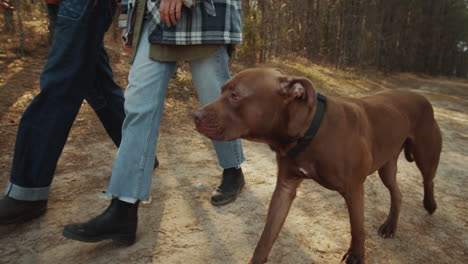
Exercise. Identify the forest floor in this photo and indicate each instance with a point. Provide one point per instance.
(180, 225)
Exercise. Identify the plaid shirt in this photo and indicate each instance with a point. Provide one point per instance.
(206, 22)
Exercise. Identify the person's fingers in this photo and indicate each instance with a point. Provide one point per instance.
(178, 10)
(172, 12)
(122, 39)
(163, 11)
(127, 48)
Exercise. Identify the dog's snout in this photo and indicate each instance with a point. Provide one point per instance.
(198, 115)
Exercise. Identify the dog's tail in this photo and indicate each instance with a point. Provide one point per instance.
(408, 147)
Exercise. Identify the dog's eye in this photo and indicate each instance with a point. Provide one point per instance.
(234, 96)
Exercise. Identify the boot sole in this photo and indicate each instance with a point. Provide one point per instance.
(228, 201)
(24, 218)
(122, 239)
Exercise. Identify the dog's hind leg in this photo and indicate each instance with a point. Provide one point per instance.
(388, 176)
(426, 151)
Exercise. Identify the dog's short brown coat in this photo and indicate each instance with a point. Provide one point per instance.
(357, 137)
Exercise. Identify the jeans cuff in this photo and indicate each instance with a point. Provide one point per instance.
(119, 193)
(232, 164)
(27, 194)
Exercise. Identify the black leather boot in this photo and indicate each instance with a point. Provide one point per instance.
(156, 163)
(14, 211)
(230, 188)
(118, 222)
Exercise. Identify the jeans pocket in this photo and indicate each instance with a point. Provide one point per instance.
(73, 9)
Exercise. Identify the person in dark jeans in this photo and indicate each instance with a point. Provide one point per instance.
(77, 69)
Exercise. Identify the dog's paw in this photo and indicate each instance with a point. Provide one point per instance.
(387, 229)
(430, 205)
(352, 258)
(252, 261)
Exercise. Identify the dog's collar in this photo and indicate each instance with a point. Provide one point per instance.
(314, 126)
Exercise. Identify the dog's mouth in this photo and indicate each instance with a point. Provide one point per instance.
(215, 133)
(208, 124)
(209, 133)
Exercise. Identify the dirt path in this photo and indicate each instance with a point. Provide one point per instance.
(181, 226)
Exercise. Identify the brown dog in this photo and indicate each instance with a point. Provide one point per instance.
(355, 138)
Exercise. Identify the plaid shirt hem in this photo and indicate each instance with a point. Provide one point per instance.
(206, 22)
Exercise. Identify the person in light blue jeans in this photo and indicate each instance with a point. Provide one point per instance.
(205, 32)
(144, 101)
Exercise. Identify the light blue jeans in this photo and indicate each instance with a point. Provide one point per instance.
(144, 100)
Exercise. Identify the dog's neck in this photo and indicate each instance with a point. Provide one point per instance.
(291, 145)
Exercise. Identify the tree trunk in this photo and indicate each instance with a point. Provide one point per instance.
(9, 23)
(20, 26)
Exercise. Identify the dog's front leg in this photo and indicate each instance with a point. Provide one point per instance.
(280, 203)
(355, 203)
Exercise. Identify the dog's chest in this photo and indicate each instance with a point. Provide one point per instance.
(310, 171)
(305, 170)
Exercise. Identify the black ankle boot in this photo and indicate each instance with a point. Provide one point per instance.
(230, 188)
(156, 163)
(14, 211)
(118, 222)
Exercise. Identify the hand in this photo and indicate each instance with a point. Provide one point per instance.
(125, 47)
(6, 4)
(169, 10)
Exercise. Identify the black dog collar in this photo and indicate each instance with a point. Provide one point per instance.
(314, 126)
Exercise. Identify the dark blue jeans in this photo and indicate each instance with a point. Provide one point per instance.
(77, 68)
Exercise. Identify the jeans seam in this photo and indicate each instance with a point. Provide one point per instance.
(235, 145)
(236, 150)
(153, 116)
(10, 187)
(218, 69)
(80, 16)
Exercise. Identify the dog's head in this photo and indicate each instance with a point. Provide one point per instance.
(259, 104)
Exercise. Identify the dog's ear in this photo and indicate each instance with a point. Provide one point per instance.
(300, 96)
(300, 88)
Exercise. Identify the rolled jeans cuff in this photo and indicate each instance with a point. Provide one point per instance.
(27, 194)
